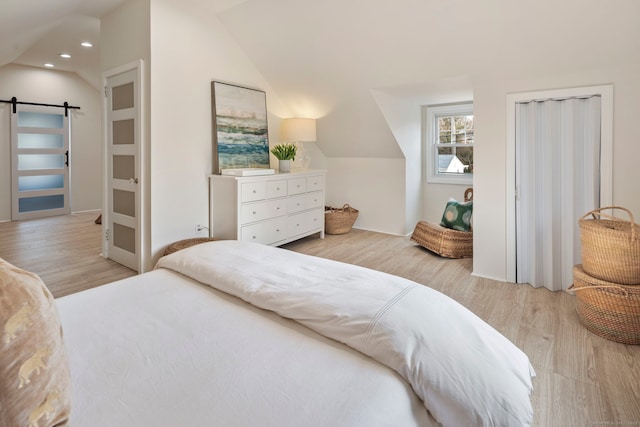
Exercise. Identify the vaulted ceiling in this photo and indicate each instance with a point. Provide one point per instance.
(33, 32)
(329, 58)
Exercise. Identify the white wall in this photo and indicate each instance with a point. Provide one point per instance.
(55, 87)
(124, 39)
(403, 118)
(369, 185)
(189, 49)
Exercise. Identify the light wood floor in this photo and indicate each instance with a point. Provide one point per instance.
(63, 250)
(582, 379)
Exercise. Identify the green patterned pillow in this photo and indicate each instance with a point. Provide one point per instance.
(457, 215)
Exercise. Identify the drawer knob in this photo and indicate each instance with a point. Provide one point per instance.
(254, 191)
(254, 212)
(253, 237)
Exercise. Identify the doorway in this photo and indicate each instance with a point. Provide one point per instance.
(123, 213)
(605, 94)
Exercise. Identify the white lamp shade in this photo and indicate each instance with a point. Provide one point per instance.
(298, 130)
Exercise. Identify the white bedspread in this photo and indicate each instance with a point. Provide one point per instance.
(161, 350)
(466, 372)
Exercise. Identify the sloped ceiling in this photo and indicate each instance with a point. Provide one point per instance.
(33, 32)
(325, 59)
(328, 59)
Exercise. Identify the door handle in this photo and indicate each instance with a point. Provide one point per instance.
(66, 158)
(133, 180)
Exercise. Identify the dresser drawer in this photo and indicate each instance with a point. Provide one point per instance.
(266, 232)
(305, 222)
(315, 183)
(251, 212)
(297, 186)
(276, 188)
(315, 200)
(304, 202)
(252, 191)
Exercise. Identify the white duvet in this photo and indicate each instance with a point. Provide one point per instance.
(466, 373)
(162, 350)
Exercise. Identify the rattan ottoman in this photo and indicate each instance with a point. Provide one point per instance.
(443, 241)
(182, 244)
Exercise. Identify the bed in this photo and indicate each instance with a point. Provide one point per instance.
(231, 333)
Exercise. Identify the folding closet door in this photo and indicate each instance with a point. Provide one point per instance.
(558, 145)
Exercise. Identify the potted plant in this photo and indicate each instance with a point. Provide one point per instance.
(285, 153)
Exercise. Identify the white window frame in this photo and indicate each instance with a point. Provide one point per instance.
(430, 114)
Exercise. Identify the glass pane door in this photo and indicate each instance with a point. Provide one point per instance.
(40, 162)
(123, 208)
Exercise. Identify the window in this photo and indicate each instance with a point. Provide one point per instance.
(448, 142)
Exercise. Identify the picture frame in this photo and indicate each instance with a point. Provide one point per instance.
(240, 127)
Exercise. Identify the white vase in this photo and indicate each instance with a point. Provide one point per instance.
(284, 165)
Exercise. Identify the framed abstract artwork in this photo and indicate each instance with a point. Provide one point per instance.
(240, 131)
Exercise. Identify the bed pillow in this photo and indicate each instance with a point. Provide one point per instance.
(35, 384)
(457, 215)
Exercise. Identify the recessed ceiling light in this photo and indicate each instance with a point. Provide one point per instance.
(65, 55)
(86, 44)
(49, 65)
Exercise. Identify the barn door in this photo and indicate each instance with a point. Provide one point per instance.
(40, 162)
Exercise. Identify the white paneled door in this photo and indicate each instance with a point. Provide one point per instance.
(122, 217)
(40, 162)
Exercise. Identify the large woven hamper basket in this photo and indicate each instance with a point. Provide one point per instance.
(339, 220)
(607, 309)
(611, 247)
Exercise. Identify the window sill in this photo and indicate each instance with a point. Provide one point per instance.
(466, 179)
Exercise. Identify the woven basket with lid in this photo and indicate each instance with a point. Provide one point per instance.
(611, 246)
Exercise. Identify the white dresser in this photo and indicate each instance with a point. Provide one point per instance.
(268, 209)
